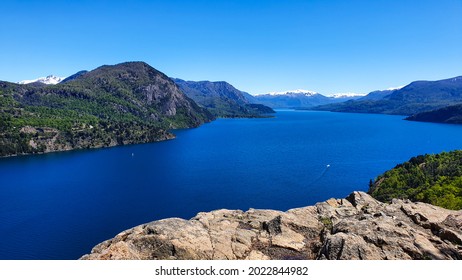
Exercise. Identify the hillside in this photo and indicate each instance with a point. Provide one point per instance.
(222, 99)
(449, 114)
(111, 105)
(435, 179)
(417, 97)
(357, 227)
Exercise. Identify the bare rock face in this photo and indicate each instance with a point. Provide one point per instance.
(357, 227)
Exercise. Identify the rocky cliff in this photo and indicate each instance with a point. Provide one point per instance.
(357, 227)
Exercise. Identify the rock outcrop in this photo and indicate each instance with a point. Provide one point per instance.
(357, 227)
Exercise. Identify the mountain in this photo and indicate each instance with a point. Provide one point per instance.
(74, 76)
(377, 94)
(357, 227)
(346, 96)
(297, 99)
(419, 96)
(112, 105)
(292, 99)
(222, 99)
(450, 114)
(48, 80)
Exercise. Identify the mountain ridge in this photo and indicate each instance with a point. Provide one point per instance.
(74, 76)
(299, 99)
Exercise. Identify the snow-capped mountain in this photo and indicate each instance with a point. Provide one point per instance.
(48, 80)
(299, 98)
(292, 92)
(395, 88)
(351, 95)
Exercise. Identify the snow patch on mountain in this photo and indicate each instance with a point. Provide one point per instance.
(48, 80)
(346, 95)
(395, 88)
(292, 92)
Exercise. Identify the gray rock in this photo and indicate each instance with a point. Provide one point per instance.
(358, 227)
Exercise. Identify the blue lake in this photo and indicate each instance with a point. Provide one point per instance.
(58, 206)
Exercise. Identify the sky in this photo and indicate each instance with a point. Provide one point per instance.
(328, 46)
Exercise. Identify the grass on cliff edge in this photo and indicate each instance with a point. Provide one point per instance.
(434, 179)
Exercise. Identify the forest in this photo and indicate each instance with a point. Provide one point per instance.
(434, 179)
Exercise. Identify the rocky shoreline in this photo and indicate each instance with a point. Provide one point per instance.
(354, 228)
(51, 144)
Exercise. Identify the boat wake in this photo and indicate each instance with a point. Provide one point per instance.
(320, 176)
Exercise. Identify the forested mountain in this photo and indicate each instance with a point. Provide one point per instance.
(111, 105)
(417, 97)
(222, 99)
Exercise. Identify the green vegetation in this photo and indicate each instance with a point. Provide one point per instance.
(238, 111)
(435, 179)
(327, 222)
(449, 114)
(111, 105)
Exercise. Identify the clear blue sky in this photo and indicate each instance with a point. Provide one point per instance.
(258, 46)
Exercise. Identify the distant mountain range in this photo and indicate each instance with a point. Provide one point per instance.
(296, 99)
(48, 80)
(417, 97)
(347, 95)
(421, 100)
(222, 99)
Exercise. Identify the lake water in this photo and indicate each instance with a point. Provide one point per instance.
(58, 206)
